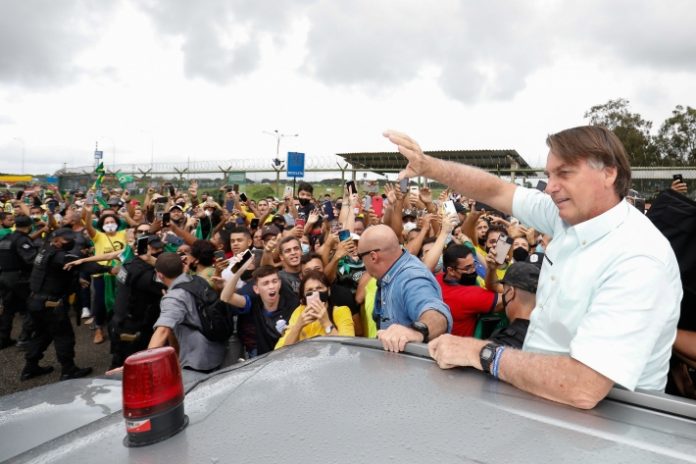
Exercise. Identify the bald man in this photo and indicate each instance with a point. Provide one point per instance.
(408, 305)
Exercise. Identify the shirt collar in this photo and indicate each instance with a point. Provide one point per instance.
(597, 227)
(389, 275)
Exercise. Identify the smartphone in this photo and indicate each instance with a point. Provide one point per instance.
(368, 202)
(403, 185)
(502, 247)
(90, 198)
(235, 187)
(351, 187)
(229, 205)
(245, 257)
(141, 246)
(414, 189)
(639, 203)
(173, 239)
(52, 206)
(448, 207)
(344, 235)
(254, 224)
(219, 255)
(165, 219)
(327, 207)
(159, 210)
(243, 197)
(300, 222)
(288, 192)
(678, 177)
(172, 192)
(314, 296)
(541, 186)
(378, 205)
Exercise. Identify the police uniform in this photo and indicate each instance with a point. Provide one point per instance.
(50, 285)
(136, 308)
(17, 252)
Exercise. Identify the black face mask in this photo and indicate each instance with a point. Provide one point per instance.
(506, 302)
(520, 254)
(468, 279)
(304, 201)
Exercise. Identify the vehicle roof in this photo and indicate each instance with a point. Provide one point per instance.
(341, 400)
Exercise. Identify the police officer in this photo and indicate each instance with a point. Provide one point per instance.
(136, 308)
(50, 284)
(17, 252)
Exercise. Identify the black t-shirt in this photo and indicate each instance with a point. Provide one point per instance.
(512, 335)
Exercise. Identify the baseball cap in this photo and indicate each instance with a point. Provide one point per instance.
(522, 275)
(176, 206)
(155, 241)
(23, 221)
(269, 230)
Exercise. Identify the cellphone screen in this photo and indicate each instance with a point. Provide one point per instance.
(449, 208)
(165, 219)
(219, 255)
(254, 223)
(243, 197)
(403, 185)
(141, 247)
(678, 177)
(172, 192)
(541, 186)
(229, 205)
(351, 187)
(245, 257)
(288, 191)
(502, 247)
(343, 235)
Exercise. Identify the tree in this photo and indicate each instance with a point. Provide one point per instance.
(677, 137)
(630, 128)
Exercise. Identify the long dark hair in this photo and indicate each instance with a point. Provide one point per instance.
(320, 277)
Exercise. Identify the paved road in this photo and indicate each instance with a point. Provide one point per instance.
(86, 354)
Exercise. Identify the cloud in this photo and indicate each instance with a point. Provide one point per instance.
(39, 40)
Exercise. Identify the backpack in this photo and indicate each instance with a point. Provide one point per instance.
(216, 325)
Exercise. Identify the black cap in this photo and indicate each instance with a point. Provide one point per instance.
(536, 259)
(270, 230)
(64, 232)
(23, 221)
(522, 275)
(408, 213)
(155, 242)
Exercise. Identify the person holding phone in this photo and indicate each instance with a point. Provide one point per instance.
(317, 315)
(609, 289)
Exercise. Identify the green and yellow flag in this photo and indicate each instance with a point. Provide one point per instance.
(100, 176)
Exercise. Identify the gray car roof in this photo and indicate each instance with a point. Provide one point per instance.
(338, 400)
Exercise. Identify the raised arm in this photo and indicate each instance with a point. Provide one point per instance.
(468, 180)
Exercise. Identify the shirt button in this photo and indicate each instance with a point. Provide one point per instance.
(584, 243)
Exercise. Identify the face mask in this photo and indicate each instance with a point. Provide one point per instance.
(305, 248)
(468, 279)
(409, 226)
(540, 248)
(304, 201)
(111, 227)
(520, 254)
(506, 302)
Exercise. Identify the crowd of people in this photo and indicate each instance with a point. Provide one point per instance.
(552, 291)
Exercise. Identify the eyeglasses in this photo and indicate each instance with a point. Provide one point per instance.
(466, 270)
(364, 253)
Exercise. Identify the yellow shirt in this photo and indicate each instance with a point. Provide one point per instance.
(368, 323)
(342, 318)
(106, 244)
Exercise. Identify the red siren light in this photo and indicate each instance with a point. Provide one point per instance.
(153, 396)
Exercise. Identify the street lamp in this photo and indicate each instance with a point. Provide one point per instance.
(113, 149)
(24, 148)
(278, 164)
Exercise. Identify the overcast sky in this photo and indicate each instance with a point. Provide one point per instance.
(204, 79)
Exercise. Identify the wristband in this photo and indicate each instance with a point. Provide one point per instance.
(496, 361)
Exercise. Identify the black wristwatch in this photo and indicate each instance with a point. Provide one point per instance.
(486, 356)
(423, 329)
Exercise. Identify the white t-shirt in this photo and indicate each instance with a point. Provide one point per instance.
(609, 292)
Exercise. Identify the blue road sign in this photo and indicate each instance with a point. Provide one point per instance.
(295, 164)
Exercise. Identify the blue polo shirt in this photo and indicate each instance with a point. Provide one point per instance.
(406, 291)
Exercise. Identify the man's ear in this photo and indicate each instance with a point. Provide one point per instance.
(256, 290)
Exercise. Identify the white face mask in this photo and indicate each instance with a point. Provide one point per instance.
(111, 227)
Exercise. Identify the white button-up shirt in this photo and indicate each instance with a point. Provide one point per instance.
(609, 292)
